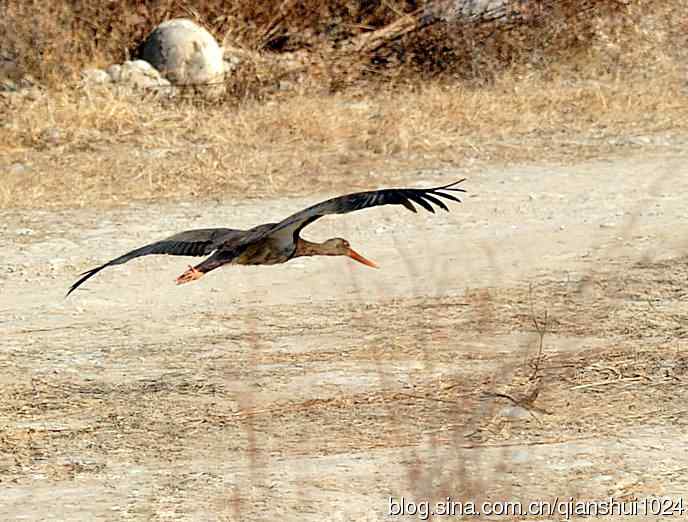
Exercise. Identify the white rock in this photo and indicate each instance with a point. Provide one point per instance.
(95, 76)
(141, 74)
(18, 168)
(27, 82)
(141, 66)
(7, 85)
(515, 412)
(51, 135)
(285, 85)
(114, 72)
(185, 53)
(230, 62)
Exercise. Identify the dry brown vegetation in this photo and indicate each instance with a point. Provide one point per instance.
(563, 85)
(72, 33)
(112, 151)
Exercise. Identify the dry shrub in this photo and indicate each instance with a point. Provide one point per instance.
(538, 35)
(37, 41)
(67, 35)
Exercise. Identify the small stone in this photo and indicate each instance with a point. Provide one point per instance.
(520, 455)
(32, 93)
(140, 74)
(642, 140)
(230, 63)
(18, 168)
(8, 86)
(155, 153)
(95, 76)
(114, 72)
(28, 82)
(51, 135)
(514, 412)
(285, 85)
(141, 65)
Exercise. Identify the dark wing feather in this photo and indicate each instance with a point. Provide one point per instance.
(360, 200)
(419, 200)
(436, 201)
(199, 242)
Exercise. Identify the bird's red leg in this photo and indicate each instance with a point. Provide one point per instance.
(191, 274)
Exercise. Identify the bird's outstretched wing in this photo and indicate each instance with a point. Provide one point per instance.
(425, 198)
(199, 242)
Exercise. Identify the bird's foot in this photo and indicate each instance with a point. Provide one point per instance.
(190, 275)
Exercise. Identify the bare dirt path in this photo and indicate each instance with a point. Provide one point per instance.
(317, 389)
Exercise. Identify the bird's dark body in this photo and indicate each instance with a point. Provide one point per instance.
(275, 243)
(265, 250)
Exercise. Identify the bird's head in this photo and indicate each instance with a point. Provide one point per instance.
(341, 247)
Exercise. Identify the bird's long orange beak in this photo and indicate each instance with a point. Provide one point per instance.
(358, 257)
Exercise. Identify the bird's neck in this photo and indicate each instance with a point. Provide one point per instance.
(306, 248)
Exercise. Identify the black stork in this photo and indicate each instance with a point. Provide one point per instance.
(275, 243)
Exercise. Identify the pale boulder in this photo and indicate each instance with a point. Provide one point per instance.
(184, 53)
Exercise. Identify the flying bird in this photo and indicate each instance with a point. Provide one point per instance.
(275, 243)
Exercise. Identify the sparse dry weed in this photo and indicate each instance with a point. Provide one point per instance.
(100, 148)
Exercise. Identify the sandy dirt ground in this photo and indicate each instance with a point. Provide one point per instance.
(531, 344)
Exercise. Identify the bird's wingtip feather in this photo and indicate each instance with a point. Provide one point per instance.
(453, 184)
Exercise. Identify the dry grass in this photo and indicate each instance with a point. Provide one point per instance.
(110, 150)
(66, 146)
